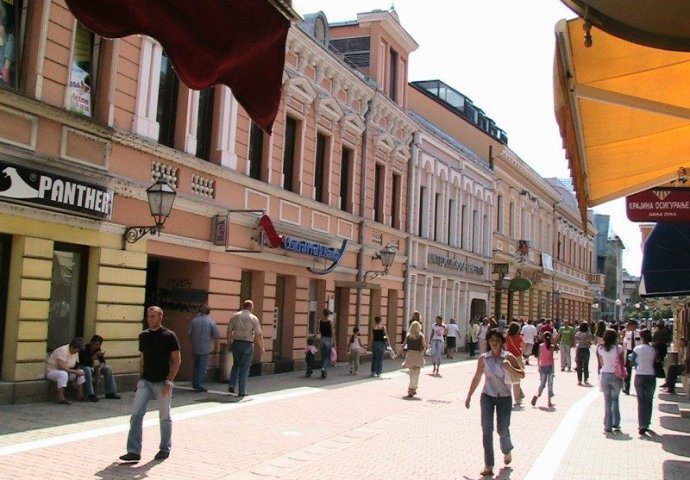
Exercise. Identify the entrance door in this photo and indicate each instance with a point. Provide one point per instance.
(278, 318)
(342, 319)
(5, 242)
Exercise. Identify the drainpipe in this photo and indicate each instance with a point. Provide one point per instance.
(411, 180)
(362, 208)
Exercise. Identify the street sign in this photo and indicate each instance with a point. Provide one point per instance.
(660, 204)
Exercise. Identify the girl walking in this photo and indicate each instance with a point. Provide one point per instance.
(436, 337)
(609, 353)
(495, 397)
(379, 344)
(545, 362)
(644, 357)
(583, 340)
(415, 345)
(354, 347)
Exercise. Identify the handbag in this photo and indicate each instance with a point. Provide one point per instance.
(334, 355)
(620, 370)
(658, 365)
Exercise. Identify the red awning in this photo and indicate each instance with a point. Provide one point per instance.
(239, 43)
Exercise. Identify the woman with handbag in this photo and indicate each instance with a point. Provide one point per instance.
(613, 372)
(495, 365)
(644, 357)
(414, 346)
(514, 345)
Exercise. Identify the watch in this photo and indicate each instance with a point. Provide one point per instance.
(169, 382)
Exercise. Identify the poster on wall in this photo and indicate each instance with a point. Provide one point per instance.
(80, 91)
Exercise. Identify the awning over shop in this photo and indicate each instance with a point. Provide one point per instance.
(239, 43)
(666, 261)
(623, 111)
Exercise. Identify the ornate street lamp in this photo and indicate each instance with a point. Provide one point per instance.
(161, 197)
(387, 257)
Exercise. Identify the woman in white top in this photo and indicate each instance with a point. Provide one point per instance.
(608, 354)
(436, 337)
(451, 338)
(645, 381)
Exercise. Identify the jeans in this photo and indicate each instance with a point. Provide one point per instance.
(582, 360)
(611, 386)
(377, 357)
(473, 347)
(628, 368)
(200, 368)
(326, 345)
(242, 355)
(436, 351)
(309, 358)
(546, 377)
(566, 361)
(503, 409)
(146, 390)
(110, 386)
(644, 386)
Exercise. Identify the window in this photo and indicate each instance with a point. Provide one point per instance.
(320, 173)
(167, 102)
(438, 219)
(82, 72)
(396, 202)
(511, 219)
(10, 24)
(67, 294)
(451, 222)
(393, 76)
(289, 154)
(345, 180)
(420, 215)
(499, 214)
(256, 151)
(379, 185)
(475, 232)
(463, 228)
(204, 124)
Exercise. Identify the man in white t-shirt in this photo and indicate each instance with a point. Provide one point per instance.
(529, 333)
(451, 338)
(60, 368)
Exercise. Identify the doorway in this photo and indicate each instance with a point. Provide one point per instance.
(342, 319)
(5, 245)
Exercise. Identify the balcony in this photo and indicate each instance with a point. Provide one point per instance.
(596, 279)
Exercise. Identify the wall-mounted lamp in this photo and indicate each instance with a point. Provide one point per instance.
(387, 257)
(595, 306)
(161, 197)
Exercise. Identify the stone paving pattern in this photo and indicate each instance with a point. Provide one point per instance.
(344, 428)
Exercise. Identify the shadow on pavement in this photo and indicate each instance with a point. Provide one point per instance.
(677, 424)
(118, 471)
(677, 397)
(676, 469)
(676, 444)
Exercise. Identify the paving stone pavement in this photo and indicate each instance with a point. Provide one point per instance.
(346, 427)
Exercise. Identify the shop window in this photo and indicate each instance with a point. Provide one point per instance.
(420, 213)
(438, 218)
(204, 124)
(313, 307)
(5, 243)
(256, 151)
(67, 294)
(166, 112)
(11, 26)
(345, 180)
(246, 286)
(83, 71)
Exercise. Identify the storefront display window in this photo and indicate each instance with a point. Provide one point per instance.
(5, 242)
(67, 294)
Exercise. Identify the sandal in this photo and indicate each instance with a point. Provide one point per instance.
(64, 401)
(487, 471)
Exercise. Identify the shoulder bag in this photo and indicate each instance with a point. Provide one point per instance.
(620, 370)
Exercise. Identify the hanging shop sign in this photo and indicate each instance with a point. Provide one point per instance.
(35, 187)
(298, 245)
(665, 204)
(454, 264)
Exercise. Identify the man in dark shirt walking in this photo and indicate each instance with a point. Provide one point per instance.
(159, 362)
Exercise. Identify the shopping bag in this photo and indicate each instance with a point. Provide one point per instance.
(334, 355)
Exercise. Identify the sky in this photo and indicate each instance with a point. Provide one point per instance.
(499, 53)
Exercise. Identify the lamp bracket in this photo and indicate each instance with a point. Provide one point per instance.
(135, 233)
(372, 274)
